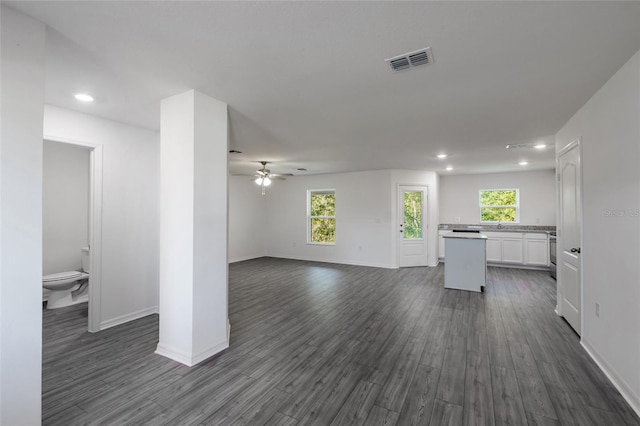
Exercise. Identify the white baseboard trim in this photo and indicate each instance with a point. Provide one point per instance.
(511, 265)
(128, 317)
(518, 266)
(172, 353)
(243, 258)
(627, 393)
(188, 359)
(338, 261)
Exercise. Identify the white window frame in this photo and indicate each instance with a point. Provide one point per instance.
(516, 206)
(310, 192)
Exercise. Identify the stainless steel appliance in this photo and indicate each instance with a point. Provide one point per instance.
(552, 254)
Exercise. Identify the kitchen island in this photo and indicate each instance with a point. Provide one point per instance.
(466, 265)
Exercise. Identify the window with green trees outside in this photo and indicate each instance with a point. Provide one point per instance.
(499, 205)
(412, 215)
(322, 216)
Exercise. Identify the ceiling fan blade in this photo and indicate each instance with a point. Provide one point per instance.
(262, 172)
(280, 174)
(277, 177)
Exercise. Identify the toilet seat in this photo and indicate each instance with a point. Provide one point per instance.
(66, 288)
(62, 276)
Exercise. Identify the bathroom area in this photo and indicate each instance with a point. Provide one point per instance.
(65, 225)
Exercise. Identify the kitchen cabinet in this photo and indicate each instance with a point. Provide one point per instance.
(494, 249)
(511, 248)
(536, 249)
(466, 265)
(504, 247)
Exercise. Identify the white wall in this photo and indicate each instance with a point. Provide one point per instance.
(609, 127)
(366, 213)
(130, 214)
(22, 97)
(459, 196)
(65, 206)
(363, 219)
(246, 219)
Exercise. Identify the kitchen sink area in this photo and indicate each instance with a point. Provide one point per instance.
(516, 246)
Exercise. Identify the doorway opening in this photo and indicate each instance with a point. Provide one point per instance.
(94, 227)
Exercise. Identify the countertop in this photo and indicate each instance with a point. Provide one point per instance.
(466, 235)
(497, 228)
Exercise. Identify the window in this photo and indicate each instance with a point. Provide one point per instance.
(412, 215)
(321, 207)
(499, 205)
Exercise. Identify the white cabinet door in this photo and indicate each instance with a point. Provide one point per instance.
(536, 252)
(512, 250)
(494, 250)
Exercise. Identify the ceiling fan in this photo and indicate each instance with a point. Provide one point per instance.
(264, 176)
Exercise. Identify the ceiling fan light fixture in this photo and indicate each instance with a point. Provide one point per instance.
(263, 181)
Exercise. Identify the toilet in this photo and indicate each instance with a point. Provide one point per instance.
(68, 288)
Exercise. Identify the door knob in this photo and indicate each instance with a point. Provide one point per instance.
(575, 250)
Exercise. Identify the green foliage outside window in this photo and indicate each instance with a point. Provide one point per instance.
(499, 205)
(323, 217)
(412, 215)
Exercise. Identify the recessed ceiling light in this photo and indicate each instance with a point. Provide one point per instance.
(540, 146)
(449, 168)
(83, 97)
(523, 163)
(441, 156)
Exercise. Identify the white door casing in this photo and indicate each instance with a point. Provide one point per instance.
(412, 237)
(570, 236)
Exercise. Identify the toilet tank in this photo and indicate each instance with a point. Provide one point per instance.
(86, 264)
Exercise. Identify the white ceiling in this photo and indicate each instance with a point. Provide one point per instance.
(307, 85)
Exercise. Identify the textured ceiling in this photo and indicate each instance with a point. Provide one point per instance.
(307, 85)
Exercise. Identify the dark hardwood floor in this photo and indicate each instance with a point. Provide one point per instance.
(315, 343)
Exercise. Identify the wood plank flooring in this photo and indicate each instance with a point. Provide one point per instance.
(326, 344)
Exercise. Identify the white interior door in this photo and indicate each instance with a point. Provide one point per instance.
(570, 279)
(412, 230)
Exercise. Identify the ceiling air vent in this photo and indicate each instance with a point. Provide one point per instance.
(411, 59)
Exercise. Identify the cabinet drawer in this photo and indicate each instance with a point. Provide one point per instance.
(537, 236)
(510, 235)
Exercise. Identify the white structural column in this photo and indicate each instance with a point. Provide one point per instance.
(193, 228)
(22, 59)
